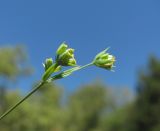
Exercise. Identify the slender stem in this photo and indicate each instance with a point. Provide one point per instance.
(68, 72)
(35, 89)
(86, 65)
(17, 104)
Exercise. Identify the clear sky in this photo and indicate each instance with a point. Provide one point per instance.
(130, 27)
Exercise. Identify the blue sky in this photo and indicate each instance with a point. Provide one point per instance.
(130, 28)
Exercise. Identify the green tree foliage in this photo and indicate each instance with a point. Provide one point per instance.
(146, 112)
(40, 112)
(13, 62)
(143, 114)
(115, 121)
(85, 107)
(91, 108)
(46, 111)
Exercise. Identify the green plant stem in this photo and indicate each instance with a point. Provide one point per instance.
(35, 89)
(86, 65)
(68, 72)
(17, 104)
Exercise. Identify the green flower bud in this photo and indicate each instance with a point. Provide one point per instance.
(62, 48)
(67, 54)
(65, 57)
(104, 60)
(104, 56)
(48, 63)
(72, 62)
(70, 50)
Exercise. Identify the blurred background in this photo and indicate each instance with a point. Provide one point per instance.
(92, 99)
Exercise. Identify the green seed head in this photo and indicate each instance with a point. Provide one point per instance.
(104, 60)
(65, 57)
(72, 62)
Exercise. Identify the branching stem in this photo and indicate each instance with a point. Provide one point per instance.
(34, 90)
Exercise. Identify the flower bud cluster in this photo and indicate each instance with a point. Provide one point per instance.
(65, 56)
(104, 60)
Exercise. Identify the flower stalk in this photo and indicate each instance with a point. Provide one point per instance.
(65, 57)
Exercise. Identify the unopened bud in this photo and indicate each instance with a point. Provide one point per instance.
(66, 57)
(104, 60)
(72, 62)
(62, 48)
(48, 63)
